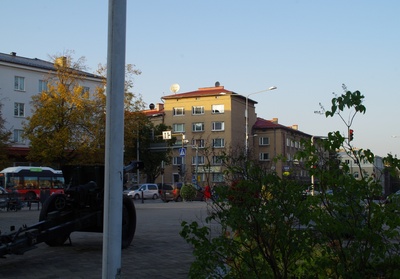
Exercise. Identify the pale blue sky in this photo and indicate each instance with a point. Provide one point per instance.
(306, 48)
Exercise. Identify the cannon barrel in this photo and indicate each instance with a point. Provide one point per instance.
(79, 208)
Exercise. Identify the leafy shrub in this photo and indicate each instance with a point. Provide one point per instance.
(188, 192)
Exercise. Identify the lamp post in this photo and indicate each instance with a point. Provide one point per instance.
(246, 115)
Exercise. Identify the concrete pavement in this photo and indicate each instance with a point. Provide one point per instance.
(157, 251)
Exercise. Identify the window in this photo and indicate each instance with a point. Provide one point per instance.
(217, 177)
(264, 141)
(179, 127)
(196, 110)
(198, 142)
(218, 143)
(287, 142)
(18, 136)
(216, 160)
(19, 109)
(217, 109)
(178, 111)
(42, 86)
(86, 89)
(264, 156)
(200, 160)
(198, 127)
(218, 126)
(177, 160)
(19, 83)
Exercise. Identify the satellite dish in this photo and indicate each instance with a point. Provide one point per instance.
(174, 88)
(151, 106)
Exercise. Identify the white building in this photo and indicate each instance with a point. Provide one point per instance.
(375, 169)
(20, 79)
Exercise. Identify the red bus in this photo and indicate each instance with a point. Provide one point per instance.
(28, 182)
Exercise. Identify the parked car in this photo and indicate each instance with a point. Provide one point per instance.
(176, 192)
(131, 188)
(166, 192)
(148, 190)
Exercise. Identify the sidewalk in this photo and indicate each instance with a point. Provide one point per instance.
(157, 251)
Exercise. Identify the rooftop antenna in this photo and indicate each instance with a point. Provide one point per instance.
(174, 88)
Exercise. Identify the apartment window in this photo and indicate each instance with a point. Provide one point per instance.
(18, 136)
(177, 160)
(42, 86)
(217, 109)
(85, 89)
(218, 143)
(217, 177)
(264, 156)
(19, 109)
(179, 127)
(178, 111)
(218, 126)
(19, 83)
(198, 127)
(199, 162)
(263, 141)
(216, 160)
(196, 110)
(198, 142)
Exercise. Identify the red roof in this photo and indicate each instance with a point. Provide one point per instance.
(266, 124)
(206, 91)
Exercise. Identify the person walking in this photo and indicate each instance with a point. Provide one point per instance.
(207, 193)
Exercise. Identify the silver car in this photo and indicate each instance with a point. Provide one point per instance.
(145, 191)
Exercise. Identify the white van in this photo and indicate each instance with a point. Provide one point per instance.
(149, 191)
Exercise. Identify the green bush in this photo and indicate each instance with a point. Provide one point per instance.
(188, 192)
(261, 226)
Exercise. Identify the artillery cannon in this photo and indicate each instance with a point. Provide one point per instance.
(79, 208)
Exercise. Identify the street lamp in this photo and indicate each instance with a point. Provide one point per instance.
(246, 115)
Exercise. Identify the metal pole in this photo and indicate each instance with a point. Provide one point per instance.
(112, 236)
(246, 115)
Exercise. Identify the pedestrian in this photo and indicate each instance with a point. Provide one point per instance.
(207, 192)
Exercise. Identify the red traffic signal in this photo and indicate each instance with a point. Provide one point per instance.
(351, 134)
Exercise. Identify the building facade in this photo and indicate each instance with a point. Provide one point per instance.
(272, 140)
(20, 79)
(212, 120)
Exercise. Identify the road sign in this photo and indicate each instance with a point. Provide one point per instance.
(166, 135)
(182, 152)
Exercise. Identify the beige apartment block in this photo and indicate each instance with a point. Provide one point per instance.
(211, 120)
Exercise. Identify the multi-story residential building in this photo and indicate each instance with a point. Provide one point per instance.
(20, 79)
(272, 140)
(211, 120)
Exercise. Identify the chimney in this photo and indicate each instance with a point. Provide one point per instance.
(274, 120)
(160, 106)
(13, 53)
(295, 127)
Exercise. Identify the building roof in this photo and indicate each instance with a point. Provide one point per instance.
(268, 124)
(34, 63)
(205, 91)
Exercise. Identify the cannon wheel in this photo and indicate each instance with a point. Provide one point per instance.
(55, 202)
(128, 221)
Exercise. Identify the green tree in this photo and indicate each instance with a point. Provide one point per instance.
(260, 225)
(67, 125)
(4, 141)
(140, 135)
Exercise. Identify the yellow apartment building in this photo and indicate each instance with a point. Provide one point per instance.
(211, 120)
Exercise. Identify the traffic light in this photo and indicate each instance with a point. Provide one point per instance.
(351, 134)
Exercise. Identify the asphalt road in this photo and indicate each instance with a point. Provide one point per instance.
(157, 251)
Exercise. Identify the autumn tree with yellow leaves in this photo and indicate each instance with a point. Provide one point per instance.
(68, 122)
